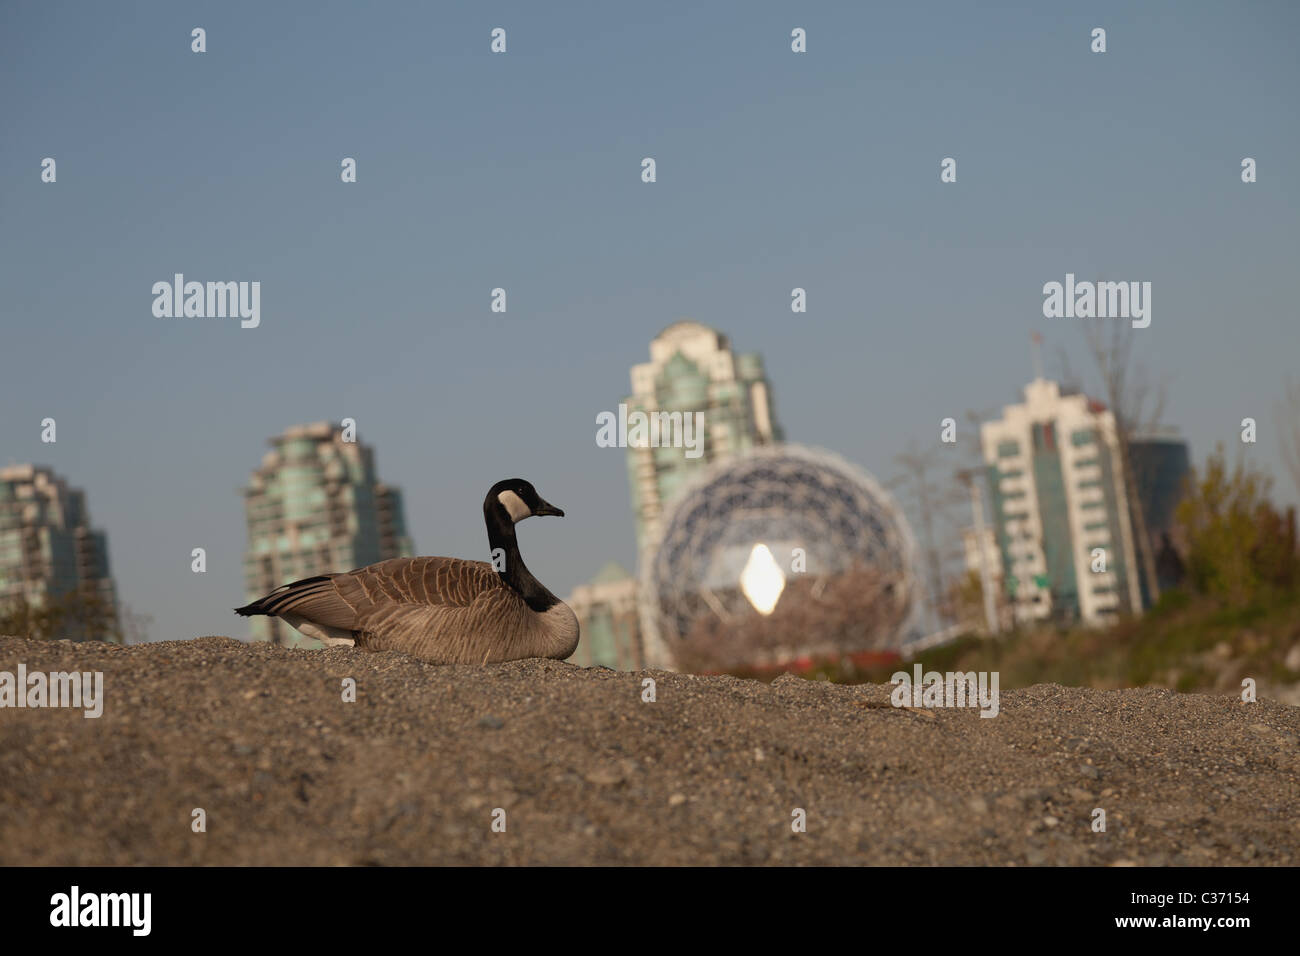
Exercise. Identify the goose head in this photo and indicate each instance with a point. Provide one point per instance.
(512, 500)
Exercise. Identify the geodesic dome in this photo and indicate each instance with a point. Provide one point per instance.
(732, 531)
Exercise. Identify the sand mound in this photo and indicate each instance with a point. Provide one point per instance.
(585, 771)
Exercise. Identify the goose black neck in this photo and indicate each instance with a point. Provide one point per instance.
(501, 535)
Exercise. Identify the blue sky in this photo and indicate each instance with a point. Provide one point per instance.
(522, 170)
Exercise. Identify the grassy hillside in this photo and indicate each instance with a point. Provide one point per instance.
(1184, 643)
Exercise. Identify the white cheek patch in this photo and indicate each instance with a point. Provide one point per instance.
(514, 505)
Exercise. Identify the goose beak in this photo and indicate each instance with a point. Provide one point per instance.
(546, 508)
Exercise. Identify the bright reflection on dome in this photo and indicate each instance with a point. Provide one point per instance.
(762, 581)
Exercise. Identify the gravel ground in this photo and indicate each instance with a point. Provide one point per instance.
(588, 773)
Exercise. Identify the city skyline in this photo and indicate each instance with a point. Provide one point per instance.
(348, 469)
(819, 172)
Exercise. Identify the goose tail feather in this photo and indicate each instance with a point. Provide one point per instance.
(274, 602)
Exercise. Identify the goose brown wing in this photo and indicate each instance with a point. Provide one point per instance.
(440, 582)
(484, 630)
(354, 600)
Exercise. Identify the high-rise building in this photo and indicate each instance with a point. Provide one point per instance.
(607, 615)
(1161, 464)
(313, 507)
(693, 369)
(47, 547)
(1058, 496)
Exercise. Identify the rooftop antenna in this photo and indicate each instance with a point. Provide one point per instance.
(1035, 345)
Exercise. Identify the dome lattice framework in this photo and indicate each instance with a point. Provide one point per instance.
(785, 497)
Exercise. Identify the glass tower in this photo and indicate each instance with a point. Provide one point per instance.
(314, 506)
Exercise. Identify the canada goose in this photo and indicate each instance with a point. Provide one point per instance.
(444, 610)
